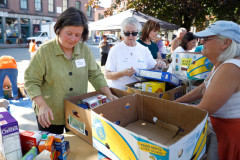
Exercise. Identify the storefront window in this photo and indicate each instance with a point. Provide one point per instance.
(36, 26)
(25, 28)
(11, 28)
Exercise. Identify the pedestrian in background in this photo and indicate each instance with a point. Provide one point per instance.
(104, 49)
(177, 40)
(62, 68)
(32, 48)
(8, 67)
(161, 48)
(149, 33)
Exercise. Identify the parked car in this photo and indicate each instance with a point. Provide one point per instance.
(111, 37)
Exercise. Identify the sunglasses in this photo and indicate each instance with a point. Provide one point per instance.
(128, 33)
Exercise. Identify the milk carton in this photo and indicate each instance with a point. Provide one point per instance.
(10, 147)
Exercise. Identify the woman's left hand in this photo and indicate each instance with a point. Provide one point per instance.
(108, 93)
(112, 97)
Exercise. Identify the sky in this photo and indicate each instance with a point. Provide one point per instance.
(105, 3)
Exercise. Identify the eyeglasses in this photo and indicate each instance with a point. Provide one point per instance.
(205, 39)
(128, 33)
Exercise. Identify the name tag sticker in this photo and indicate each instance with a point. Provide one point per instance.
(80, 63)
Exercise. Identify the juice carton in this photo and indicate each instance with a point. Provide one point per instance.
(47, 145)
(29, 139)
(30, 154)
(10, 147)
(59, 146)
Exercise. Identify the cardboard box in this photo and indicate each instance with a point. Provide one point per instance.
(77, 119)
(172, 92)
(182, 129)
(10, 147)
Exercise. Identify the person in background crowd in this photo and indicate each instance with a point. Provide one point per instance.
(128, 56)
(8, 67)
(177, 41)
(220, 92)
(149, 32)
(104, 49)
(199, 48)
(161, 47)
(61, 68)
(188, 43)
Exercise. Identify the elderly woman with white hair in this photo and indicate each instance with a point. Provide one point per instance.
(220, 92)
(128, 56)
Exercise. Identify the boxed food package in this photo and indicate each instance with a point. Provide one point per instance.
(159, 76)
(171, 91)
(48, 144)
(29, 139)
(191, 65)
(143, 127)
(78, 119)
(153, 87)
(10, 147)
(95, 101)
(31, 154)
(60, 146)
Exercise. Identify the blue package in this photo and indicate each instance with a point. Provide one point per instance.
(84, 106)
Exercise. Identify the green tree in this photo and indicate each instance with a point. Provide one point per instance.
(184, 13)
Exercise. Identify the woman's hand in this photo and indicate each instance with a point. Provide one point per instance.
(44, 114)
(160, 64)
(44, 111)
(112, 97)
(108, 93)
(129, 72)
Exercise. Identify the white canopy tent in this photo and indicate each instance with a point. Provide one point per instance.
(114, 22)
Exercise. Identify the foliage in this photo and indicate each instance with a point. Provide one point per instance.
(184, 13)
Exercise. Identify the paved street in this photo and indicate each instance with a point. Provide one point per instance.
(26, 116)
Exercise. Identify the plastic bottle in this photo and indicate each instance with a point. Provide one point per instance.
(44, 137)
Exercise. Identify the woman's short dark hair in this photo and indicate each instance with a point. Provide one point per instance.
(72, 17)
(186, 38)
(148, 27)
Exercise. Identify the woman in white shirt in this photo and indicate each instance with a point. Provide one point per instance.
(188, 43)
(128, 56)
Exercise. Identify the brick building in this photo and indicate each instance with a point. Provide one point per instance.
(20, 19)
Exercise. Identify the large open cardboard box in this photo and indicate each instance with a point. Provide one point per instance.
(81, 118)
(143, 127)
(172, 92)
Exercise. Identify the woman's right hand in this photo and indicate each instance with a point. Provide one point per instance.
(44, 114)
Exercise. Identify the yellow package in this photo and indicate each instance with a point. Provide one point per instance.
(154, 87)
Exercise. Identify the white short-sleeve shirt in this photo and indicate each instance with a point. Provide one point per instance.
(122, 57)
